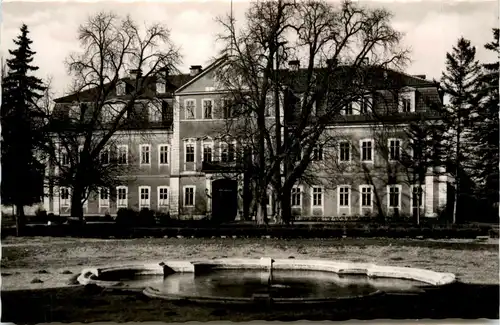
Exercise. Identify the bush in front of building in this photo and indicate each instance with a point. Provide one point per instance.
(146, 218)
(126, 217)
(163, 218)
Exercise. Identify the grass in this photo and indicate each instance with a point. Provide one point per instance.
(56, 261)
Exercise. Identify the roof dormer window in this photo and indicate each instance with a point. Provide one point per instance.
(120, 88)
(406, 101)
(161, 86)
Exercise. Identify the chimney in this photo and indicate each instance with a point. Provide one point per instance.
(194, 70)
(294, 65)
(134, 73)
(421, 76)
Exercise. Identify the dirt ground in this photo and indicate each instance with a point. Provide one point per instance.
(43, 262)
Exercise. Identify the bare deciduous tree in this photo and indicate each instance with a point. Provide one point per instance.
(105, 106)
(333, 41)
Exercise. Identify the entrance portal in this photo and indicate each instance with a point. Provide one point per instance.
(224, 200)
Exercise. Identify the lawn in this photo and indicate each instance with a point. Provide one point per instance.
(53, 263)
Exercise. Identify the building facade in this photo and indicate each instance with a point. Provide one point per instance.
(174, 162)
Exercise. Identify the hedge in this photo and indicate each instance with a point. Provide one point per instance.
(127, 228)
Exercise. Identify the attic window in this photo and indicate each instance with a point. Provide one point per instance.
(155, 112)
(406, 101)
(161, 86)
(120, 88)
(74, 110)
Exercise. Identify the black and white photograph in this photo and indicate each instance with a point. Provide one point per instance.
(249, 160)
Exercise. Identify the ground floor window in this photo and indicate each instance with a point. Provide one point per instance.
(344, 196)
(296, 197)
(144, 196)
(394, 196)
(162, 196)
(103, 197)
(121, 197)
(317, 196)
(189, 196)
(64, 194)
(366, 197)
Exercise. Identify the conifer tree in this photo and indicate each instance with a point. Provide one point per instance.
(486, 131)
(22, 180)
(460, 81)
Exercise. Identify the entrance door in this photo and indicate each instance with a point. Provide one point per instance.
(224, 200)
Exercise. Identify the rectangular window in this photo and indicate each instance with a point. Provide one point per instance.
(365, 105)
(367, 150)
(64, 194)
(162, 196)
(145, 154)
(65, 161)
(163, 152)
(103, 197)
(190, 152)
(190, 108)
(121, 197)
(348, 109)
(231, 152)
(227, 108)
(228, 152)
(155, 112)
(269, 199)
(317, 153)
(105, 156)
(189, 196)
(406, 105)
(366, 197)
(296, 197)
(317, 196)
(394, 197)
(417, 196)
(120, 88)
(122, 154)
(416, 150)
(345, 154)
(207, 108)
(394, 149)
(344, 196)
(207, 152)
(144, 196)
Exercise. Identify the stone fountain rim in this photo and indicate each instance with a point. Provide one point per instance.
(430, 279)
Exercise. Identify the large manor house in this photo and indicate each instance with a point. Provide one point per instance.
(171, 158)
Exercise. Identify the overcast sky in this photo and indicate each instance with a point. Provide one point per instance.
(432, 28)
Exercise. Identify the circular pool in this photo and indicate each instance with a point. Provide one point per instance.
(265, 280)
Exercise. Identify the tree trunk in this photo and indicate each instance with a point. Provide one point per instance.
(262, 208)
(286, 208)
(76, 205)
(20, 219)
(277, 209)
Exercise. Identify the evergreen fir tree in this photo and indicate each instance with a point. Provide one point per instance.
(22, 180)
(460, 81)
(486, 130)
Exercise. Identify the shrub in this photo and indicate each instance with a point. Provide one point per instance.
(126, 217)
(493, 233)
(146, 217)
(41, 216)
(107, 217)
(163, 218)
